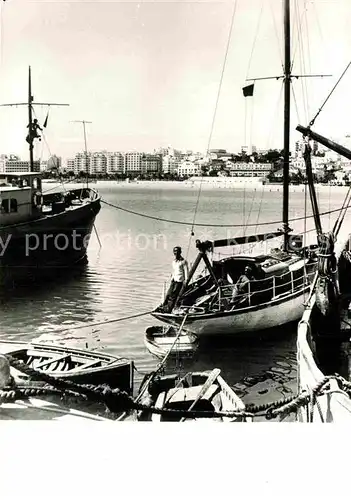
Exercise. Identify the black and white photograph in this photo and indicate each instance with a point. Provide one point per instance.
(175, 242)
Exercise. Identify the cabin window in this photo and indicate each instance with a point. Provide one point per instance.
(13, 205)
(5, 206)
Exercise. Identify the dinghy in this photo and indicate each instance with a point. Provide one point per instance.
(202, 391)
(76, 365)
(159, 339)
(32, 408)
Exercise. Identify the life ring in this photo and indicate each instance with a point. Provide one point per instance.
(37, 199)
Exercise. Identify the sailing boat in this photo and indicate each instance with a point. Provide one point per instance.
(39, 231)
(276, 283)
(325, 329)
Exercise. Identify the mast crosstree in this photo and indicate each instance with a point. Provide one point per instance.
(32, 126)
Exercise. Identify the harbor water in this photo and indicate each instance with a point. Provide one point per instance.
(127, 274)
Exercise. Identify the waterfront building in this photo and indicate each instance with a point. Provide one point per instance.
(170, 164)
(151, 164)
(189, 168)
(133, 163)
(13, 164)
(252, 169)
(98, 163)
(115, 163)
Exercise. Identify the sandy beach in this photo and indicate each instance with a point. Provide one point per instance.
(205, 184)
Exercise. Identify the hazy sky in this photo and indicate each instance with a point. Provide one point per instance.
(147, 74)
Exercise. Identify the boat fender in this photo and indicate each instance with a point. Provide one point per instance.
(37, 199)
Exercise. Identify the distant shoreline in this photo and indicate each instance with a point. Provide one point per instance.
(194, 185)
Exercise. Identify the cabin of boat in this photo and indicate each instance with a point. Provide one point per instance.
(21, 197)
(273, 277)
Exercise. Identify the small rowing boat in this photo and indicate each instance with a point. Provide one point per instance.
(196, 391)
(159, 340)
(76, 365)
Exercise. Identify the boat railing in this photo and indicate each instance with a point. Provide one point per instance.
(270, 288)
(59, 201)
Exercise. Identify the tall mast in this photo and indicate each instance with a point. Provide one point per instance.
(30, 119)
(83, 122)
(287, 80)
(30, 103)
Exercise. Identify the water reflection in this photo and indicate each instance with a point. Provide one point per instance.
(50, 304)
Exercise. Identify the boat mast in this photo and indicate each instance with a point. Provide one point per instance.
(30, 120)
(287, 82)
(83, 122)
(30, 103)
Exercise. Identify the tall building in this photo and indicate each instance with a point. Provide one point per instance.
(98, 163)
(170, 164)
(151, 164)
(115, 163)
(133, 163)
(14, 164)
(54, 162)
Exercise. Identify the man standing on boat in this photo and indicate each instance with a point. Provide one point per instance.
(180, 273)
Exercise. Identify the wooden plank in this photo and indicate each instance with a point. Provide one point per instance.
(91, 364)
(211, 378)
(52, 360)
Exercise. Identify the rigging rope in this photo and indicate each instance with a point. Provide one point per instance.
(160, 219)
(105, 322)
(215, 110)
(277, 36)
(329, 95)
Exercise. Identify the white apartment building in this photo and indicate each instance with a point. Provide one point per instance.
(133, 162)
(98, 163)
(69, 165)
(188, 168)
(170, 164)
(12, 166)
(248, 169)
(115, 163)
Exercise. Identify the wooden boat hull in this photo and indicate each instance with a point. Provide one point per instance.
(246, 320)
(76, 365)
(165, 392)
(330, 407)
(49, 242)
(160, 339)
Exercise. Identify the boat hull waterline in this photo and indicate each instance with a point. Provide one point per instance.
(239, 321)
(160, 339)
(75, 365)
(52, 240)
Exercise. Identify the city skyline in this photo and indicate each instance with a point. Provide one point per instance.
(148, 73)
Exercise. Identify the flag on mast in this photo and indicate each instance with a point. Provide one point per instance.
(46, 120)
(248, 90)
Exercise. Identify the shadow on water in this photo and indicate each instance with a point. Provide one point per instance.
(260, 367)
(19, 281)
(47, 303)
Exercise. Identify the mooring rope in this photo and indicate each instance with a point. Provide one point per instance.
(118, 401)
(187, 223)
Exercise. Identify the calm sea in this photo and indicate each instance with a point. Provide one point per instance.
(126, 275)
